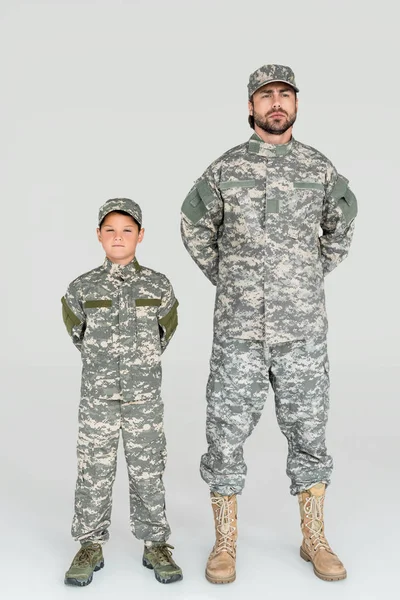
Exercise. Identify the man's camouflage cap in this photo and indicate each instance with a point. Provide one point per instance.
(128, 206)
(268, 74)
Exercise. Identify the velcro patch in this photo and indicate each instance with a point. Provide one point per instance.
(97, 303)
(199, 200)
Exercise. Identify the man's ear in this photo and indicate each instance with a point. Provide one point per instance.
(251, 107)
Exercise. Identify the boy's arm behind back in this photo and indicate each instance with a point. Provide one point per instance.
(167, 315)
(73, 316)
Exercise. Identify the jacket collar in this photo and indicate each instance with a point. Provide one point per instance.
(122, 271)
(258, 146)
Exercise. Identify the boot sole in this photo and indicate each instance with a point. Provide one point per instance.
(322, 576)
(172, 579)
(83, 582)
(220, 580)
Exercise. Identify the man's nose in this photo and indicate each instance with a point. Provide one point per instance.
(277, 102)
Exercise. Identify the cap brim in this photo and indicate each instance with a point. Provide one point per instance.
(275, 81)
(124, 210)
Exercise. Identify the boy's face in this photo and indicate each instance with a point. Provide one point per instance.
(119, 235)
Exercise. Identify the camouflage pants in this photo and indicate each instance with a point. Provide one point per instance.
(236, 392)
(100, 422)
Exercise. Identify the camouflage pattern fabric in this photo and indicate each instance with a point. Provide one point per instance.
(236, 392)
(100, 423)
(265, 223)
(268, 74)
(125, 204)
(121, 318)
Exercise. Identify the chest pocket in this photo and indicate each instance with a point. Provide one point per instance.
(308, 198)
(303, 221)
(243, 206)
(305, 209)
(98, 333)
(148, 346)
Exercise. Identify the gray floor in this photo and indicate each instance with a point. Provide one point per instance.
(37, 498)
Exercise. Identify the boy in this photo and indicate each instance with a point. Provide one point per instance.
(121, 317)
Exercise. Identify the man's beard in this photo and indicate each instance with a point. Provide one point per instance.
(274, 127)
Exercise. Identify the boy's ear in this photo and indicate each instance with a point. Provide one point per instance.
(141, 235)
(98, 234)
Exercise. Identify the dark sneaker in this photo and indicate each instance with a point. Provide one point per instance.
(159, 558)
(88, 559)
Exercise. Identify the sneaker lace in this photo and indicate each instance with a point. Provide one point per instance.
(85, 555)
(313, 512)
(163, 554)
(225, 528)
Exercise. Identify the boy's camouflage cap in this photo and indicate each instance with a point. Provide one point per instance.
(124, 204)
(268, 74)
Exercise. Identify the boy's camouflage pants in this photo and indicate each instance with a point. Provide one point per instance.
(100, 422)
(236, 392)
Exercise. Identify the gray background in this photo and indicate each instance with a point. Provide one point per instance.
(113, 98)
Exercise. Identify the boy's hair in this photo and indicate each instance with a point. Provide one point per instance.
(120, 212)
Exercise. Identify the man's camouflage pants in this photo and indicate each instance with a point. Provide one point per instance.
(100, 423)
(236, 392)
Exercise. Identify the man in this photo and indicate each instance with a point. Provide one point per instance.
(265, 223)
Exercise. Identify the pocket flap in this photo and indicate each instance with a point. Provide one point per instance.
(308, 185)
(340, 187)
(97, 303)
(148, 302)
(237, 183)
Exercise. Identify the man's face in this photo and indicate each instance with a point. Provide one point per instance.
(119, 235)
(274, 107)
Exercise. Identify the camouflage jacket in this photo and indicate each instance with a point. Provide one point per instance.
(121, 318)
(265, 223)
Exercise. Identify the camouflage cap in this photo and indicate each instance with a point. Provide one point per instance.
(128, 206)
(268, 74)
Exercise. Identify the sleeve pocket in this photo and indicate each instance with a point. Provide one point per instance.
(199, 200)
(348, 206)
(169, 322)
(69, 317)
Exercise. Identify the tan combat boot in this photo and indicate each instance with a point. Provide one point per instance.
(221, 564)
(315, 547)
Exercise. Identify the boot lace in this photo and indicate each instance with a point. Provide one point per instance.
(313, 521)
(162, 554)
(85, 556)
(225, 528)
